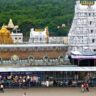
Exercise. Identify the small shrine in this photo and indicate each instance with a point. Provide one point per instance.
(39, 36)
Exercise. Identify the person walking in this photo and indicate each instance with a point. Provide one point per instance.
(82, 87)
(1, 88)
(87, 87)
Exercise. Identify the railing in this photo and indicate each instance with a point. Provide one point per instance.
(39, 62)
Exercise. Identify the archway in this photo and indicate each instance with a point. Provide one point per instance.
(31, 59)
(14, 59)
(61, 59)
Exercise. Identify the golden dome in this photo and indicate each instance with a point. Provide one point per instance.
(5, 37)
(4, 30)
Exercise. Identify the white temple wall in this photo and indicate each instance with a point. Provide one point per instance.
(17, 37)
(37, 37)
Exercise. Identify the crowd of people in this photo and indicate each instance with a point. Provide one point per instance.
(27, 81)
(37, 80)
(19, 81)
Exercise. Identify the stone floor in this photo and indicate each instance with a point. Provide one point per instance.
(48, 92)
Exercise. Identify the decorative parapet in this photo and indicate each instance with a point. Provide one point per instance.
(89, 3)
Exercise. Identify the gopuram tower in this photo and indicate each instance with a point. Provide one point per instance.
(82, 34)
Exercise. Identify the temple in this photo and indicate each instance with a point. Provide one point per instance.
(16, 36)
(83, 30)
(50, 58)
(39, 36)
(81, 37)
(41, 49)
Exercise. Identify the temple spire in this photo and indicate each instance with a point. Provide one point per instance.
(10, 24)
(77, 1)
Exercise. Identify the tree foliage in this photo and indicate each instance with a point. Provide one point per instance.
(38, 14)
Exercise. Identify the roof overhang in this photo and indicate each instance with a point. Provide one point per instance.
(83, 57)
(31, 45)
(66, 69)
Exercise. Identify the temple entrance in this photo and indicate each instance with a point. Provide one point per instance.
(86, 62)
(83, 62)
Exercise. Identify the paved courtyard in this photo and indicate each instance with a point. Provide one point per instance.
(48, 92)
